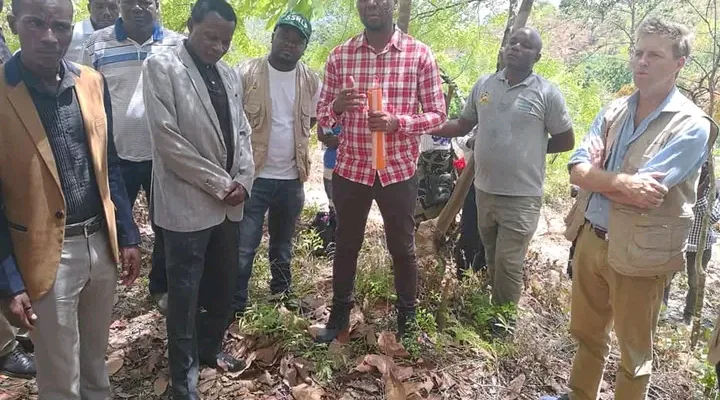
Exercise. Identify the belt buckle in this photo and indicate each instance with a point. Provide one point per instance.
(87, 228)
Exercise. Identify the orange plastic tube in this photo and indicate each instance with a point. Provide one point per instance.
(375, 103)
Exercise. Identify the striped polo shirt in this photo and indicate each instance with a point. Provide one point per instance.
(120, 59)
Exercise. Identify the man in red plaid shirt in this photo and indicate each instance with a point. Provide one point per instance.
(406, 71)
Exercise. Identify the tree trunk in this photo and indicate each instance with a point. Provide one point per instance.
(522, 15)
(506, 34)
(403, 22)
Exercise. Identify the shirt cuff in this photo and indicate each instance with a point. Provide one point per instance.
(129, 239)
(403, 124)
(11, 282)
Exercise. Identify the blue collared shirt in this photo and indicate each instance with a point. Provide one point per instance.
(676, 159)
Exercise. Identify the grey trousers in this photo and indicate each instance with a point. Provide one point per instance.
(506, 224)
(72, 328)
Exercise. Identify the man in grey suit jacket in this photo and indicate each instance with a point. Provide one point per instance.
(203, 172)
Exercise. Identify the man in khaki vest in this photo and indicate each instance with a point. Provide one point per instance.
(280, 97)
(638, 171)
(66, 220)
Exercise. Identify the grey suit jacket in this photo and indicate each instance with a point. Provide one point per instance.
(189, 153)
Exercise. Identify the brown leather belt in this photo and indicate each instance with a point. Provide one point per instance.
(599, 232)
(85, 228)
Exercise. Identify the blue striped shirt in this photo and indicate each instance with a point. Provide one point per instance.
(120, 59)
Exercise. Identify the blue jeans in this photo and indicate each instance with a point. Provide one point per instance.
(201, 272)
(139, 175)
(283, 200)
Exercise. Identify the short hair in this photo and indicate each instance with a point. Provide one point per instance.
(16, 6)
(202, 8)
(679, 34)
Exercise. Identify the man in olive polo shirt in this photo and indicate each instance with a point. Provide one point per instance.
(521, 117)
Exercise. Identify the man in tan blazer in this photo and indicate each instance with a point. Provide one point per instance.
(66, 221)
(203, 172)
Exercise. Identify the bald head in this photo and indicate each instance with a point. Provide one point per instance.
(523, 49)
(533, 35)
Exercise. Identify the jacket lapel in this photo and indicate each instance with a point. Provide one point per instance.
(25, 108)
(200, 88)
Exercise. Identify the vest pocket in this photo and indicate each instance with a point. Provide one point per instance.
(17, 227)
(252, 111)
(655, 245)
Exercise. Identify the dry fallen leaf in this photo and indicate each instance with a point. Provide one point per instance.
(315, 329)
(208, 374)
(288, 371)
(390, 347)
(417, 387)
(337, 351)
(307, 392)
(265, 357)
(365, 386)
(394, 389)
(514, 387)
(115, 361)
(385, 365)
(304, 367)
(403, 373)
(266, 378)
(160, 385)
(247, 384)
(204, 387)
(356, 317)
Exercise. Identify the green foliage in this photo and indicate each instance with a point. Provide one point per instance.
(611, 72)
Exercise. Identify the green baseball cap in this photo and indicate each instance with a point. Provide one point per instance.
(297, 21)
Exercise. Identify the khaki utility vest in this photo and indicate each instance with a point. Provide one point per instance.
(647, 242)
(258, 108)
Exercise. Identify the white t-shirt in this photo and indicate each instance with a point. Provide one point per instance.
(280, 162)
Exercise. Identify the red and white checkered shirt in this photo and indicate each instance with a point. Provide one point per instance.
(410, 78)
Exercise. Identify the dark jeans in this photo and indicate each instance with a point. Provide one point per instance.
(283, 200)
(470, 251)
(201, 275)
(397, 206)
(139, 175)
(691, 297)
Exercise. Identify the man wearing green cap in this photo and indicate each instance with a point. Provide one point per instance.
(280, 95)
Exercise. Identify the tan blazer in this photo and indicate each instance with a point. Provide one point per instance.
(189, 153)
(31, 191)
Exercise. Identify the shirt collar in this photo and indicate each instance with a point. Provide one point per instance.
(67, 72)
(198, 62)
(674, 101)
(87, 27)
(397, 40)
(15, 72)
(121, 33)
(525, 82)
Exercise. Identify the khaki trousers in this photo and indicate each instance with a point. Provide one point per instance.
(506, 224)
(600, 296)
(72, 328)
(7, 336)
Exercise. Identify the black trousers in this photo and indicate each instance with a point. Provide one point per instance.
(201, 273)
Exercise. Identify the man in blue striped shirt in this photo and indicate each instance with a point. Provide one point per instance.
(118, 51)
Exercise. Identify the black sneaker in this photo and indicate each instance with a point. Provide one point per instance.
(18, 364)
